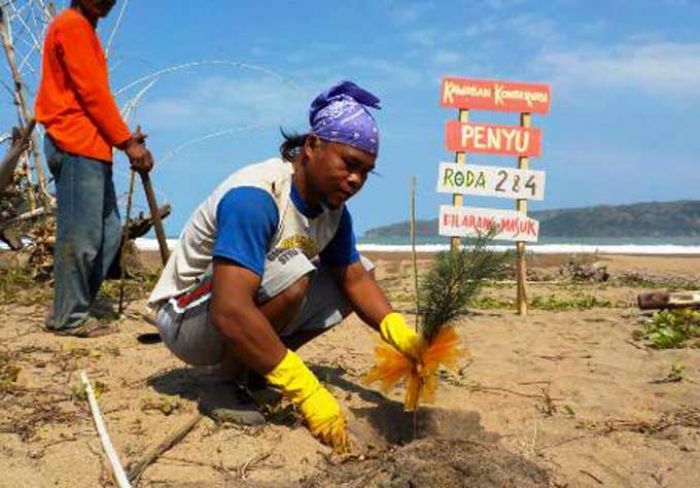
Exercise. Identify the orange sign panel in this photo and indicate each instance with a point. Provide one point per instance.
(504, 96)
(492, 139)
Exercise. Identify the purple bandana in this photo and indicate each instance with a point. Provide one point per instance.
(339, 115)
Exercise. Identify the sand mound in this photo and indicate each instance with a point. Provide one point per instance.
(452, 450)
(437, 463)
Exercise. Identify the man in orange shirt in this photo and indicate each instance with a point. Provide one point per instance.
(83, 125)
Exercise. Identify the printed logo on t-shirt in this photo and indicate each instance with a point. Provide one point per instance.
(306, 244)
(283, 255)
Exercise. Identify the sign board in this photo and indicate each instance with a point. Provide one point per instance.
(490, 181)
(471, 221)
(492, 139)
(505, 96)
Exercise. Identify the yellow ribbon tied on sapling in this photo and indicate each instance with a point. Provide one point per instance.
(407, 356)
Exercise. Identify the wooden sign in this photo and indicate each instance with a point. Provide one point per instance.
(492, 139)
(490, 181)
(505, 96)
(472, 221)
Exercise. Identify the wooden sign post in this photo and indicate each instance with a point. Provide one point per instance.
(460, 158)
(522, 184)
(521, 207)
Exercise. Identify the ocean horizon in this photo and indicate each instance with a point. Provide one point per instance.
(573, 245)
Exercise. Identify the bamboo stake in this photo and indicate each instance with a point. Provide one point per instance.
(119, 474)
(21, 100)
(413, 251)
(521, 206)
(457, 199)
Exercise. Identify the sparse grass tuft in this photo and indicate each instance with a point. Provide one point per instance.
(79, 390)
(9, 372)
(136, 287)
(490, 303)
(579, 301)
(165, 404)
(18, 286)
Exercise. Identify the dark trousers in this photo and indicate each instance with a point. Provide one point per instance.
(88, 233)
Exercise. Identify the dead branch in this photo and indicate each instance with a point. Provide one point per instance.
(20, 142)
(137, 469)
(244, 468)
(22, 106)
(593, 477)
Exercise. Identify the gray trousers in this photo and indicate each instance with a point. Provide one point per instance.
(184, 325)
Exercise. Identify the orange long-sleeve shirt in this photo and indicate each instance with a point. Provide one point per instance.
(75, 103)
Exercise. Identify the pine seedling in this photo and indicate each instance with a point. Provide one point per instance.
(454, 279)
(440, 298)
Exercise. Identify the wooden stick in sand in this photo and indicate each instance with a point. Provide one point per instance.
(137, 469)
(119, 474)
(125, 238)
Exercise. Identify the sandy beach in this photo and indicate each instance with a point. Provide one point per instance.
(564, 397)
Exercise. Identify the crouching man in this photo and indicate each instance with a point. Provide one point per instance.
(268, 262)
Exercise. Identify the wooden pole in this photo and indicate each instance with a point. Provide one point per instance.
(457, 199)
(521, 206)
(155, 215)
(125, 239)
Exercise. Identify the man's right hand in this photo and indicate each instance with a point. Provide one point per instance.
(321, 411)
(325, 419)
(140, 158)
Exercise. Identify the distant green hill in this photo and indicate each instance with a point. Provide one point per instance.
(652, 219)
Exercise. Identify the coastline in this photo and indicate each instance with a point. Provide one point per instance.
(613, 249)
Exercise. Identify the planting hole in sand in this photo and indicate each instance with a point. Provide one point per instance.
(436, 448)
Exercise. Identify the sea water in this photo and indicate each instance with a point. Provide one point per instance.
(562, 245)
(572, 245)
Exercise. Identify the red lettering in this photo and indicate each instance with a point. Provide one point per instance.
(508, 225)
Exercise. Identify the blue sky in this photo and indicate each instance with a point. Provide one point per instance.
(624, 78)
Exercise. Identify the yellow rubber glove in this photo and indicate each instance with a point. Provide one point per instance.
(397, 333)
(322, 413)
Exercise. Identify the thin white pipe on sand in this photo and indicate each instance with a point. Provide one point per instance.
(119, 473)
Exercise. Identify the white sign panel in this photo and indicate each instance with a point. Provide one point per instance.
(490, 181)
(472, 221)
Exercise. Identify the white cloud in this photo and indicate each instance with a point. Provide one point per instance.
(424, 38)
(217, 101)
(386, 72)
(503, 4)
(666, 69)
(535, 27)
(446, 58)
(405, 13)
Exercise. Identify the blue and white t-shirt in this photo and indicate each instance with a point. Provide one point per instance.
(257, 210)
